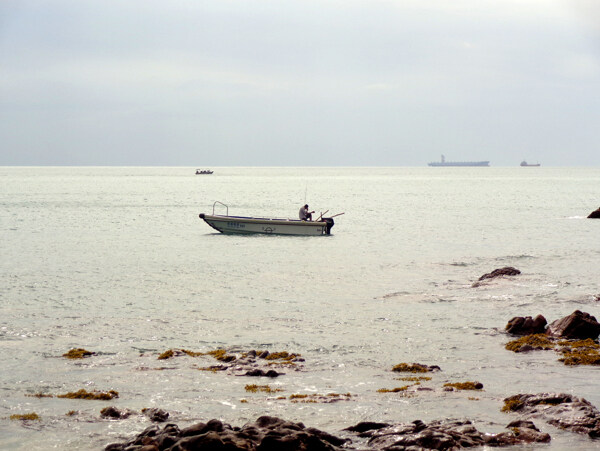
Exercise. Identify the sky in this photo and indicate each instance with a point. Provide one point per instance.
(299, 82)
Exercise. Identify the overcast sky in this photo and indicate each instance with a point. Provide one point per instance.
(299, 82)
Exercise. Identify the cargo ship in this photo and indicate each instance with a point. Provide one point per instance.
(443, 162)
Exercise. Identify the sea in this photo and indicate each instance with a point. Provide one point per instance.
(116, 260)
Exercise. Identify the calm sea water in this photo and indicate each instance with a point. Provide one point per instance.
(116, 260)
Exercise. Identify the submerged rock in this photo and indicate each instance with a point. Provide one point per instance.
(578, 325)
(527, 325)
(558, 409)
(500, 272)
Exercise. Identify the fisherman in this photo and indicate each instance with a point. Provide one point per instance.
(304, 214)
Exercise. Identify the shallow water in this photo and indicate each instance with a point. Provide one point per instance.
(116, 260)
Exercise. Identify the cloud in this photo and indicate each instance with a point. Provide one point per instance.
(361, 77)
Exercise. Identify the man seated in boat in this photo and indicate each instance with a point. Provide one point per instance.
(304, 214)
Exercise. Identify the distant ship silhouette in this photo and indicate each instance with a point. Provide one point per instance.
(443, 162)
(524, 163)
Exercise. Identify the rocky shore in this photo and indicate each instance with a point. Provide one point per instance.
(574, 337)
(274, 434)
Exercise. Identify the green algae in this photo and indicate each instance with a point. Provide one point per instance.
(221, 355)
(574, 352)
(166, 355)
(393, 390)
(417, 379)
(587, 343)
(469, 385)
(512, 404)
(192, 353)
(536, 341)
(253, 388)
(78, 353)
(282, 355)
(411, 368)
(84, 394)
(40, 395)
(580, 356)
(315, 398)
(26, 417)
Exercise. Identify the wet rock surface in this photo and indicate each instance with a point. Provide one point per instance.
(251, 363)
(443, 435)
(578, 325)
(155, 415)
(558, 409)
(506, 271)
(265, 434)
(526, 325)
(274, 434)
(500, 272)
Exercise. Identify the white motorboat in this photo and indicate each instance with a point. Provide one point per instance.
(266, 226)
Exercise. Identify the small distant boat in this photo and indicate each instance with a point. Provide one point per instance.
(444, 163)
(266, 226)
(203, 172)
(525, 164)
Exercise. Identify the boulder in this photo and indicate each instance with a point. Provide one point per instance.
(595, 214)
(527, 325)
(445, 435)
(558, 409)
(578, 325)
(265, 434)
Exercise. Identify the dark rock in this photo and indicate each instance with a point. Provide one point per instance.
(595, 214)
(114, 413)
(520, 325)
(275, 434)
(558, 409)
(266, 434)
(364, 426)
(261, 373)
(578, 325)
(506, 271)
(194, 429)
(446, 435)
(156, 415)
(522, 424)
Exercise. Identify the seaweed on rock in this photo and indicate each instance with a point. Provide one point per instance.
(414, 368)
(26, 417)
(469, 385)
(78, 353)
(530, 342)
(94, 395)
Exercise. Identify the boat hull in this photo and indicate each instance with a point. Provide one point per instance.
(239, 225)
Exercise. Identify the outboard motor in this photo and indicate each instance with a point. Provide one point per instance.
(328, 225)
